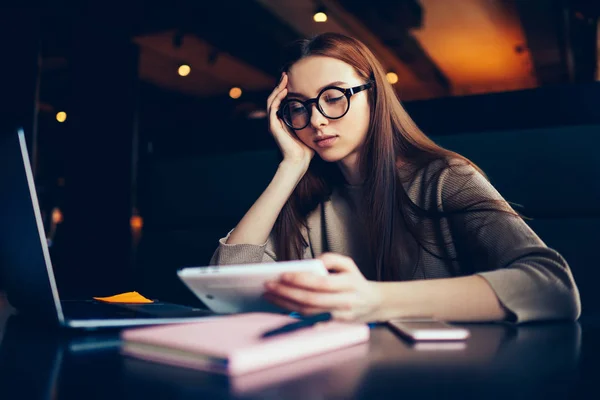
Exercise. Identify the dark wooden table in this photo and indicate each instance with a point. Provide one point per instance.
(550, 360)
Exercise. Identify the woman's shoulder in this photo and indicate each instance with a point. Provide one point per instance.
(437, 171)
(434, 182)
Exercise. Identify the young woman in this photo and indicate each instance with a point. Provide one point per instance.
(409, 228)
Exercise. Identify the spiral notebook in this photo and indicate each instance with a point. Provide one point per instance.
(234, 344)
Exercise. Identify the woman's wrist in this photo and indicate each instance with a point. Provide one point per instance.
(294, 168)
(391, 301)
(300, 164)
(377, 300)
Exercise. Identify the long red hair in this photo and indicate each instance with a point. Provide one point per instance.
(392, 137)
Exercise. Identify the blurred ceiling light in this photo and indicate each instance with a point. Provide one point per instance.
(235, 92)
(392, 77)
(136, 222)
(320, 15)
(184, 70)
(61, 116)
(257, 114)
(57, 216)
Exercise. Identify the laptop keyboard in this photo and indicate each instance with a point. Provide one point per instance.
(98, 310)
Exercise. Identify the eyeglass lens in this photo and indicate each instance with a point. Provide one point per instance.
(333, 103)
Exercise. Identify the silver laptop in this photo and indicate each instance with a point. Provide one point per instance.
(26, 268)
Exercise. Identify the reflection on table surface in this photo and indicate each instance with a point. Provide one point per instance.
(539, 361)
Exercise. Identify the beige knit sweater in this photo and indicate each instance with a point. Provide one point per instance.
(531, 280)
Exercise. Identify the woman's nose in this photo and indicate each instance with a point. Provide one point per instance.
(316, 118)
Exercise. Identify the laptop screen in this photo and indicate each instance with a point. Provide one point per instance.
(25, 264)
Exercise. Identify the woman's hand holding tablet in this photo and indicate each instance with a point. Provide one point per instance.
(239, 288)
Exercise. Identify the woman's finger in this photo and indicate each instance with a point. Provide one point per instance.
(273, 118)
(311, 299)
(274, 94)
(338, 262)
(340, 315)
(277, 100)
(293, 306)
(330, 283)
(277, 91)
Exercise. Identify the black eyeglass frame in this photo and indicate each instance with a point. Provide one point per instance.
(349, 92)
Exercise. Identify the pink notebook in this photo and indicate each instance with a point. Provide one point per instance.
(233, 344)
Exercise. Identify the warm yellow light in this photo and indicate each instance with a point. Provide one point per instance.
(184, 70)
(57, 216)
(320, 17)
(235, 92)
(136, 222)
(392, 77)
(61, 116)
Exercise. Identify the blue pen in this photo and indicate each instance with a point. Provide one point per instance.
(303, 323)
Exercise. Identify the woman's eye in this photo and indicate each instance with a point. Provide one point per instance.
(334, 99)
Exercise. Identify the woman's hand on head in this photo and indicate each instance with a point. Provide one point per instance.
(346, 293)
(291, 147)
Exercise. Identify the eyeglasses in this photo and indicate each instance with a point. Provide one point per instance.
(333, 102)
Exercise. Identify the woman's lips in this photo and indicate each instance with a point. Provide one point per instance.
(328, 142)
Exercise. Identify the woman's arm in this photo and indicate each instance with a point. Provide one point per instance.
(257, 223)
(529, 279)
(251, 240)
(248, 241)
(349, 296)
(467, 298)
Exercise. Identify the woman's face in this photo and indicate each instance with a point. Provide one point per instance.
(333, 139)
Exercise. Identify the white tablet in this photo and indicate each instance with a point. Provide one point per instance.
(230, 289)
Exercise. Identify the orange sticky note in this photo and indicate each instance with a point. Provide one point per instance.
(129, 297)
